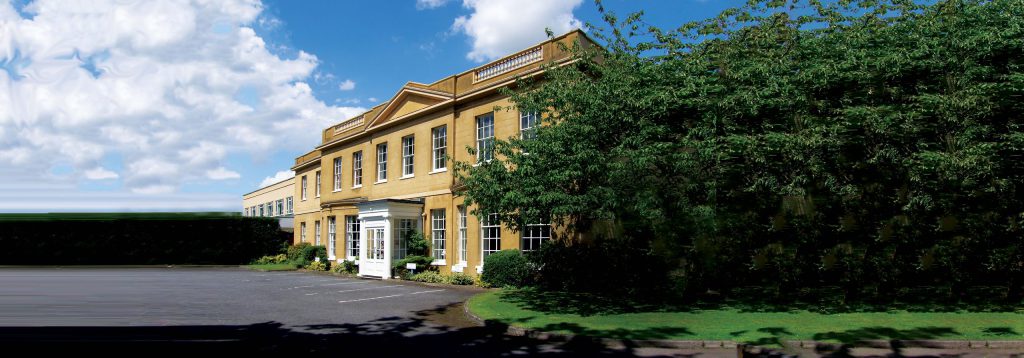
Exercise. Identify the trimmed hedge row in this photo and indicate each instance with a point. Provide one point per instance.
(120, 240)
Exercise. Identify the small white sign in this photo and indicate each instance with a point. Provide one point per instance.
(410, 266)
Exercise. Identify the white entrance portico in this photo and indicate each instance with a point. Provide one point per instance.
(378, 218)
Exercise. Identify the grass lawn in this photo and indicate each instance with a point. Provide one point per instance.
(272, 267)
(586, 315)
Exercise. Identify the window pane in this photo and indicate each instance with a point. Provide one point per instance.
(357, 168)
(408, 149)
(382, 162)
(485, 137)
(437, 233)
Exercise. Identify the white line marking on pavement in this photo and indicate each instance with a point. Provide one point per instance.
(368, 288)
(340, 283)
(314, 293)
(388, 296)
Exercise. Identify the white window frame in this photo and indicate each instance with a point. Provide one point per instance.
(352, 228)
(332, 235)
(401, 227)
(408, 156)
(270, 208)
(528, 122)
(304, 180)
(533, 236)
(280, 207)
(382, 163)
(462, 235)
(302, 231)
(357, 169)
(490, 233)
(485, 137)
(337, 174)
(291, 205)
(439, 140)
(261, 210)
(318, 183)
(316, 235)
(438, 236)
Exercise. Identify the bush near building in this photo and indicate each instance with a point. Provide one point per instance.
(507, 268)
(859, 150)
(136, 238)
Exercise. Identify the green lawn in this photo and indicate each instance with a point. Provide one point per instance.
(272, 267)
(586, 315)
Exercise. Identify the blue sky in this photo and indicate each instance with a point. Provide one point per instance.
(184, 106)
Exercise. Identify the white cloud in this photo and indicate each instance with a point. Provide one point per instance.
(494, 33)
(347, 85)
(279, 176)
(372, 99)
(222, 173)
(99, 173)
(430, 4)
(170, 88)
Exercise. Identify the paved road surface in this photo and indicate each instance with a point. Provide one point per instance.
(189, 310)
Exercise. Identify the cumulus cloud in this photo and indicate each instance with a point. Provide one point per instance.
(169, 88)
(222, 173)
(347, 85)
(99, 173)
(494, 33)
(430, 4)
(279, 176)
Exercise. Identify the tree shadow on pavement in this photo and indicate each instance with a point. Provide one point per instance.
(388, 336)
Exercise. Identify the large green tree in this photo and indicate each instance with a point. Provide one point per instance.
(871, 144)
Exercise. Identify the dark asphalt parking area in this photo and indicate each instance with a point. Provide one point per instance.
(229, 310)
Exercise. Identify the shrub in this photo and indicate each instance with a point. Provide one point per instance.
(294, 252)
(350, 266)
(459, 278)
(417, 244)
(318, 266)
(423, 263)
(276, 259)
(507, 268)
(430, 277)
(605, 267)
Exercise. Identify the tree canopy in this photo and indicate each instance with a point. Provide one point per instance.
(840, 142)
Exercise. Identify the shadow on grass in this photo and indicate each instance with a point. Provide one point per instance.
(387, 336)
(619, 333)
(585, 304)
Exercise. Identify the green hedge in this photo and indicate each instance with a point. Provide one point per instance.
(117, 239)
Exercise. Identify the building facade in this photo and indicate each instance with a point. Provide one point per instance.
(275, 200)
(389, 171)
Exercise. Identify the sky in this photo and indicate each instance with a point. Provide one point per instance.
(154, 105)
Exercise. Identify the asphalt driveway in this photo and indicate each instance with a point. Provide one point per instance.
(228, 310)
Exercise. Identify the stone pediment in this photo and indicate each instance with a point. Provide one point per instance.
(409, 100)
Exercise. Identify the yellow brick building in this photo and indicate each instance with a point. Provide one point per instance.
(377, 176)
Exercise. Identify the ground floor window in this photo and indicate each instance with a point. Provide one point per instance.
(332, 235)
(352, 236)
(316, 226)
(302, 232)
(534, 235)
(403, 228)
(437, 230)
(462, 234)
(490, 235)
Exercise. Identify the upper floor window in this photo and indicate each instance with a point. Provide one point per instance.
(290, 205)
(528, 125)
(337, 174)
(439, 138)
(318, 184)
(261, 210)
(485, 137)
(357, 169)
(246, 211)
(280, 207)
(382, 162)
(303, 187)
(408, 151)
(270, 208)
